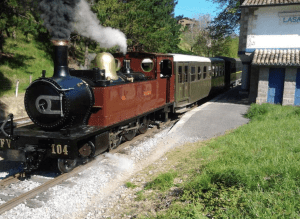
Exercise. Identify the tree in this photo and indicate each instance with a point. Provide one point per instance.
(228, 20)
(150, 23)
(197, 35)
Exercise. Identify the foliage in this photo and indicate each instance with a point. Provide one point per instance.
(227, 20)
(225, 47)
(147, 23)
(20, 15)
(26, 56)
(201, 41)
(197, 35)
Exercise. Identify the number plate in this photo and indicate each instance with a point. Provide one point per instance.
(59, 149)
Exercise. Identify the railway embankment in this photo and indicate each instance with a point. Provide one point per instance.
(249, 172)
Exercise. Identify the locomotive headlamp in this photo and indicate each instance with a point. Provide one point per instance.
(106, 61)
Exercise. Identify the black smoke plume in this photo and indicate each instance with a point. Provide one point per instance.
(58, 16)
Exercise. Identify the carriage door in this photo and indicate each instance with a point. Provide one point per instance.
(180, 83)
(297, 89)
(186, 80)
(276, 82)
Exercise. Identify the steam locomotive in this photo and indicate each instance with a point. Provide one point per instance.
(78, 114)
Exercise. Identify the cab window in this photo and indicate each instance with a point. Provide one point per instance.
(165, 68)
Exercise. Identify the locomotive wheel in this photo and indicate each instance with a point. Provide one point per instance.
(130, 134)
(66, 165)
(144, 125)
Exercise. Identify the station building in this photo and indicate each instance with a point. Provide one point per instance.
(269, 48)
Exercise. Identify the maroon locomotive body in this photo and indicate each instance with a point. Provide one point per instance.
(134, 99)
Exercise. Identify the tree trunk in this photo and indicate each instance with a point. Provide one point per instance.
(86, 59)
(14, 34)
(1, 41)
(7, 33)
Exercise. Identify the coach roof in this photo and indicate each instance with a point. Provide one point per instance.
(188, 58)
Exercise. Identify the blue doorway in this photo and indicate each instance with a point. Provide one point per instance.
(276, 82)
(297, 89)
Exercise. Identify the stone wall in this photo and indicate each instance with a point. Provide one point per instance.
(263, 84)
(289, 86)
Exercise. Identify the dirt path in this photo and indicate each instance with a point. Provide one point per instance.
(12, 104)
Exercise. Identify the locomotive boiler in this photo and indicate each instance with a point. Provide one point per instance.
(62, 101)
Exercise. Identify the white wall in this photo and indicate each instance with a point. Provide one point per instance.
(271, 27)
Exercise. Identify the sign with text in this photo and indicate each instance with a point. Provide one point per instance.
(289, 17)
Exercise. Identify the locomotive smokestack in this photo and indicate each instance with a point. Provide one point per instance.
(61, 68)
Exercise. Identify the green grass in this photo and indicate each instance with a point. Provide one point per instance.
(130, 185)
(252, 172)
(29, 58)
(140, 196)
(163, 182)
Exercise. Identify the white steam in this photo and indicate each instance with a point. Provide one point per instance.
(122, 163)
(87, 24)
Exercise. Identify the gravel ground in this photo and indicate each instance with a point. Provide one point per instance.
(92, 191)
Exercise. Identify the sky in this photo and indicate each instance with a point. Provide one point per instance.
(190, 8)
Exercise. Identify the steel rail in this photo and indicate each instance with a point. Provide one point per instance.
(12, 179)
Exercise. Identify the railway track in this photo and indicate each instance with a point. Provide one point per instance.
(57, 180)
(12, 179)
(23, 121)
(20, 122)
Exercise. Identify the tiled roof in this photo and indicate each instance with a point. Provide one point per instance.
(276, 57)
(268, 2)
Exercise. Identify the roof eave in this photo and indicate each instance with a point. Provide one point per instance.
(269, 5)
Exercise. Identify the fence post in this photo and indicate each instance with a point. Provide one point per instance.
(17, 88)
(30, 79)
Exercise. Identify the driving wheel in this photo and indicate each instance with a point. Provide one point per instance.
(66, 165)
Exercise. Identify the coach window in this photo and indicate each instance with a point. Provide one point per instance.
(193, 76)
(147, 65)
(165, 68)
(179, 74)
(186, 73)
(199, 73)
(204, 72)
(214, 74)
(209, 71)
